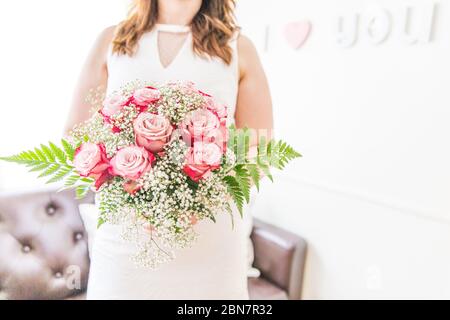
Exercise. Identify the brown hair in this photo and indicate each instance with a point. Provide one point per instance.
(212, 28)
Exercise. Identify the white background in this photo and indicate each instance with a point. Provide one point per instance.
(44, 44)
(371, 193)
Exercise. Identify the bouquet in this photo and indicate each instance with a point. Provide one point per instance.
(160, 158)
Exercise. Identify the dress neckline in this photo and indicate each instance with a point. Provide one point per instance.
(174, 28)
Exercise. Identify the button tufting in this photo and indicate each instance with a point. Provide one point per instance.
(58, 274)
(51, 209)
(78, 236)
(26, 248)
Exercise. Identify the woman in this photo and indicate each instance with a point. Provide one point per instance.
(173, 40)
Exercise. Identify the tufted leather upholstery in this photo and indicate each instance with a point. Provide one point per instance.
(43, 246)
(43, 251)
(280, 256)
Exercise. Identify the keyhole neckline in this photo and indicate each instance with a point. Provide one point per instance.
(180, 52)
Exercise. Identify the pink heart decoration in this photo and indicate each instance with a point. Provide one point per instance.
(297, 32)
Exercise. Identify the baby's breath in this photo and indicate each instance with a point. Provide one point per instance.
(160, 216)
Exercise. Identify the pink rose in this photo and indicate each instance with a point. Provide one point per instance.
(145, 96)
(201, 124)
(90, 160)
(201, 159)
(113, 104)
(220, 110)
(131, 162)
(152, 131)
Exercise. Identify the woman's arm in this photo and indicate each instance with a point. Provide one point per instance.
(254, 103)
(94, 74)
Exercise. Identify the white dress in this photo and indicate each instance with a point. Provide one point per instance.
(215, 267)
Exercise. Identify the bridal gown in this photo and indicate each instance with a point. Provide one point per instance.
(215, 266)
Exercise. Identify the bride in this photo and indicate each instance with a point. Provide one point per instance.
(178, 40)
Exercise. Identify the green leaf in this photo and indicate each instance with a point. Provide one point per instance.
(17, 159)
(266, 170)
(242, 145)
(212, 218)
(262, 158)
(280, 153)
(49, 160)
(50, 170)
(60, 175)
(243, 178)
(87, 180)
(32, 155)
(236, 193)
(81, 191)
(69, 149)
(48, 153)
(39, 167)
(72, 180)
(40, 155)
(100, 222)
(59, 154)
(253, 170)
(239, 142)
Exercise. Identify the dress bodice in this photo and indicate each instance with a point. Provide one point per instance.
(211, 75)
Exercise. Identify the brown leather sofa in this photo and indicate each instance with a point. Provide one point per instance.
(42, 239)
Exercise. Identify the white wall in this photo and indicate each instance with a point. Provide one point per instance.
(44, 44)
(371, 194)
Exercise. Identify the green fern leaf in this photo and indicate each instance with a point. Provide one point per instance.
(244, 180)
(69, 149)
(26, 156)
(242, 145)
(40, 155)
(48, 153)
(262, 157)
(253, 171)
(81, 191)
(266, 170)
(32, 156)
(16, 159)
(39, 167)
(61, 174)
(50, 170)
(72, 180)
(50, 161)
(59, 154)
(87, 180)
(239, 143)
(100, 222)
(236, 193)
(280, 153)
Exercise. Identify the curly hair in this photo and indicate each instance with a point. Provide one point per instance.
(213, 27)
